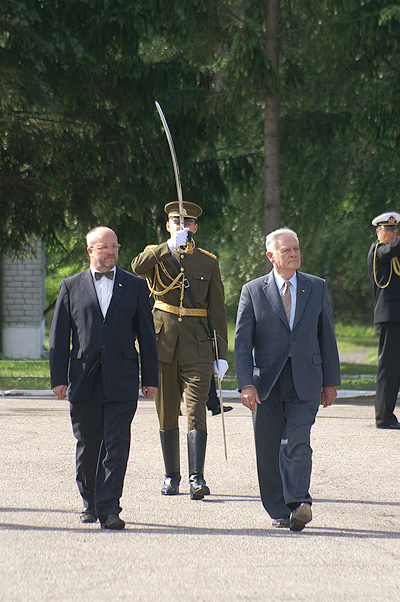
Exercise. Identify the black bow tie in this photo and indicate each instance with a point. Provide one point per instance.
(109, 275)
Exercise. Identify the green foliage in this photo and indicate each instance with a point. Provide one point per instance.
(25, 383)
(24, 374)
(349, 369)
(81, 143)
(26, 368)
(356, 334)
(358, 384)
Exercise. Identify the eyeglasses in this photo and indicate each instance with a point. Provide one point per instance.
(187, 220)
(107, 248)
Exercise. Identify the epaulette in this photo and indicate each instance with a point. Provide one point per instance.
(151, 246)
(207, 253)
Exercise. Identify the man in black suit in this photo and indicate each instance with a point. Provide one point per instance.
(105, 309)
(384, 272)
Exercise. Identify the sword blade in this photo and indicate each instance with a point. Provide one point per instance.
(174, 163)
(221, 403)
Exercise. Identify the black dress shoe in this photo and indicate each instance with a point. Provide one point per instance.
(88, 516)
(217, 410)
(171, 485)
(300, 517)
(113, 521)
(395, 426)
(281, 523)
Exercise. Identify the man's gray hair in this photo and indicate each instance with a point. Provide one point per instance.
(270, 241)
(94, 234)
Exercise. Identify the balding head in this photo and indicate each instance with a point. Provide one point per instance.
(102, 246)
(96, 234)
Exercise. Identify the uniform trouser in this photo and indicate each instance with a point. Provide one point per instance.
(177, 379)
(102, 429)
(388, 373)
(282, 427)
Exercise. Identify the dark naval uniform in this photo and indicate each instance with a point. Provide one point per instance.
(384, 271)
(184, 345)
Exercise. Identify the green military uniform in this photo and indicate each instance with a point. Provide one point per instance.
(185, 349)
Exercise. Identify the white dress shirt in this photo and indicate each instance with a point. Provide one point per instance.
(104, 289)
(280, 283)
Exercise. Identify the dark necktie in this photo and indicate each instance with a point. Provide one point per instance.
(99, 275)
(287, 299)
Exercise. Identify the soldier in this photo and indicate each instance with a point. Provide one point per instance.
(384, 271)
(189, 305)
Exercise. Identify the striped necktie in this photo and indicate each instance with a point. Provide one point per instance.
(287, 299)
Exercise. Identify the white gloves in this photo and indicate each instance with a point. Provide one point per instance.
(221, 369)
(178, 239)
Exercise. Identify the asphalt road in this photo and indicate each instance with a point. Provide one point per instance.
(220, 549)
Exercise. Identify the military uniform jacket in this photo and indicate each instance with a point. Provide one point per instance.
(386, 300)
(202, 271)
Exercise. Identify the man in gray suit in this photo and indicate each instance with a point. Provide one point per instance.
(103, 310)
(287, 364)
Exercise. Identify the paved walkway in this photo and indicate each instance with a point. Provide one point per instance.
(216, 550)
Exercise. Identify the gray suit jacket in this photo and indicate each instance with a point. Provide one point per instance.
(263, 340)
(78, 319)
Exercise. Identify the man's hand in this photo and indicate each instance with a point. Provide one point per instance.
(328, 396)
(250, 397)
(60, 391)
(149, 391)
(179, 239)
(221, 368)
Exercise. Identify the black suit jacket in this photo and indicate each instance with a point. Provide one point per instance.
(387, 299)
(110, 340)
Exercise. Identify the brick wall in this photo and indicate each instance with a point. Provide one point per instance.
(23, 303)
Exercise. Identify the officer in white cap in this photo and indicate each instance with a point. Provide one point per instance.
(384, 271)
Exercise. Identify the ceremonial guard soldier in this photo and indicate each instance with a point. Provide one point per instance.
(189, 306)
(384, 271)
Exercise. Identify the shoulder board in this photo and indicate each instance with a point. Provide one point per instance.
(151, 246)
(206, 253)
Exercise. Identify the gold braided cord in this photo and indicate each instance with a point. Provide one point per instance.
(163, 289)
(394, 266)
(176, 283)
(157, 287)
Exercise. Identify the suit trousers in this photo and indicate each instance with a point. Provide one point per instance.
(282, 427)
(388, 373)
(102, 429)
(177, 379)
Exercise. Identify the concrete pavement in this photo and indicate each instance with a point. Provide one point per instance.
(220, 549)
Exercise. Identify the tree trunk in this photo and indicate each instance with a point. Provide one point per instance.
(272, 219)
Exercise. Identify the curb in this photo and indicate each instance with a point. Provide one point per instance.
(226, 394)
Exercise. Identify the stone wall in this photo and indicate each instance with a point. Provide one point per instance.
(23, 304)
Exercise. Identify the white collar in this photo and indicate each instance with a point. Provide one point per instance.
(281, 281)
(93, 270)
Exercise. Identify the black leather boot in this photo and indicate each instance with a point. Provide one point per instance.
(197, 441)
(170, 450)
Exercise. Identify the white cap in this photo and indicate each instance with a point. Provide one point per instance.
(390, 218)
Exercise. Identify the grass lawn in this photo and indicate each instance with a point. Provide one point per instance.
(34, 374)
(24, 374)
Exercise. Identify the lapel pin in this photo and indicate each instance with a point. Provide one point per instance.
(119, 284)
(302, 290)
